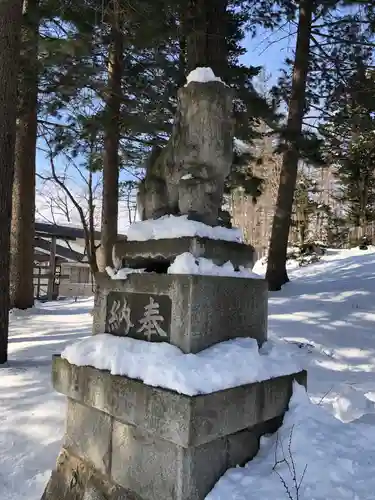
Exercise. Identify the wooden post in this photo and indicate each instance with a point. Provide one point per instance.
(51, 270)
(38, 285)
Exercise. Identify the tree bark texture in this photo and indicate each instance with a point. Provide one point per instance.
(23, 204)
(276, 267)
(10, 22)
(206, 30)
(187, 176)
(111, 148)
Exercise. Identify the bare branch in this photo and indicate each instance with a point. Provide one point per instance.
(88, 235)
(290, 463)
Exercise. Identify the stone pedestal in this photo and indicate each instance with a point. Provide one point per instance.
(194, 312)
(159, 254)
(125, 440)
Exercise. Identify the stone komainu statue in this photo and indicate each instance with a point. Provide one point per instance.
(190, 174)
(187, 176)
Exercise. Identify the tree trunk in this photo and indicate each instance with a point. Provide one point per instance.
(10, 22)
(23, 206)
(206, 30)
(111, 148)
(276, 268)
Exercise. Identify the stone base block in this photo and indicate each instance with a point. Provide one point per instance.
(158, 469)
(159, 254)
(156, 444)
(120, 461)
(168, 415)
(77, 479)
(190, 312)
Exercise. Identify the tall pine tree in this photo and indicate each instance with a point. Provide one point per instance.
(23, 206)
(334, 36)
(349, 136)
(276, 267)
(10, 23)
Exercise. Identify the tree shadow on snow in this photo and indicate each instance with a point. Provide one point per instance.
(330, 310)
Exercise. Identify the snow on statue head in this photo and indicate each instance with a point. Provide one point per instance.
(187, 176)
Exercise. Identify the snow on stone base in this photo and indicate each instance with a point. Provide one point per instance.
(222, 366)
(170, 226)
(122, 273)
(186, 263)
(202, 75)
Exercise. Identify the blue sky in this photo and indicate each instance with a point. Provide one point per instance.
(268, 51)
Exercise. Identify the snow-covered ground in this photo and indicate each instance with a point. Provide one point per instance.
(327, 311)
(31, 413)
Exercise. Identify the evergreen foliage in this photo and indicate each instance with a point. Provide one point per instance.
(73, 58)
(350, 143)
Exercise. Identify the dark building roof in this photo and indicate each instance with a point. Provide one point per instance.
(61, 232)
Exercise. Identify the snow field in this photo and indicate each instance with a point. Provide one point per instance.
(324, 319)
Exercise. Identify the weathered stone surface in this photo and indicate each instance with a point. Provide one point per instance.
(139, 315)
(137, 442)
(242, 446)
(183, 420)
(188, 175)
(143, 463)
(150, 254)
(157, 469)
(93, 494)
(202, 466)
(88, 434)
(146, 468)
(205, 310)
(76, 479)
